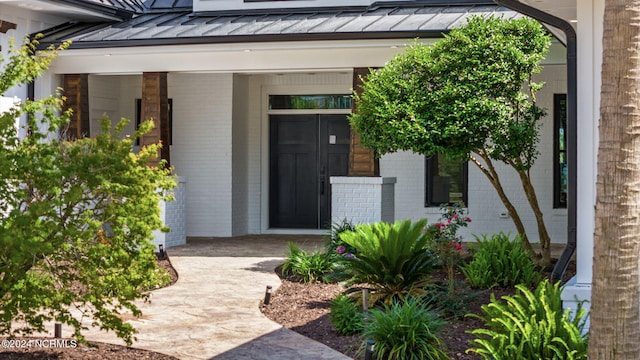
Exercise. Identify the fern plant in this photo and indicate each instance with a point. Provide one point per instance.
(406, 330)
(392, 258)
(308, 267)
(500, 261)
(530, 325)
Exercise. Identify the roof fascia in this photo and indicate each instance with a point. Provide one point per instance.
(254, 39)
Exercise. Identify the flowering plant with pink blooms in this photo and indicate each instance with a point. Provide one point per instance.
(446, 241)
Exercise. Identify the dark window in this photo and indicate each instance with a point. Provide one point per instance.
(446, 181)
(560, 177)
(139, 119)
(298, 102)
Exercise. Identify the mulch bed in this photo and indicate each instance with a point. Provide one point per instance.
(35, 349)
(304, 308)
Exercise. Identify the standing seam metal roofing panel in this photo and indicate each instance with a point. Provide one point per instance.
(162, 26)
(386, 23)
(230, 24)
(198, 26)
(283, 24)
(186, 27)
(307, 25)
(444, 19)
(254, 26)
(332, 23)
(362, 21)
(150, 22)
(416, 20)
(113, 29)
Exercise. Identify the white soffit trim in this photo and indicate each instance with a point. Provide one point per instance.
(246, 57)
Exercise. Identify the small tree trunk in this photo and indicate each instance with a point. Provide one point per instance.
(545, 240)
(490, 171)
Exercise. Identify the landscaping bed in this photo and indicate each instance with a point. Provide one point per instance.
(304, 308)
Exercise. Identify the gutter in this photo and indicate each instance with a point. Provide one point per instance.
(572, 124)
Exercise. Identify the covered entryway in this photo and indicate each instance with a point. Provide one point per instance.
(305, 150)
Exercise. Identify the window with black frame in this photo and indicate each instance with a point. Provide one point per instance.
(560, 170)
(446, 180)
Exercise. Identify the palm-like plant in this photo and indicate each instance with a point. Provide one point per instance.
(392, 258)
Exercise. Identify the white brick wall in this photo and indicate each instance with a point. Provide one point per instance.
(175, 215)
(202, 146)
(362, 200)
(104, 99)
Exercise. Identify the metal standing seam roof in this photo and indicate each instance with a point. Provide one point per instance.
(185, 27)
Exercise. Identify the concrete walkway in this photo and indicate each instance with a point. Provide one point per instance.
(212, 311)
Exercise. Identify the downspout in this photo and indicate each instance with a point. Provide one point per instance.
(572, 124)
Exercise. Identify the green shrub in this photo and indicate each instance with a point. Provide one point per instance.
(405, 331)
(345, 316)
(499, 261)
(307, 267)
(530, 325)
(392, 259)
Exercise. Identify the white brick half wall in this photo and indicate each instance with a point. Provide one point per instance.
(174, 215)
(362, 200)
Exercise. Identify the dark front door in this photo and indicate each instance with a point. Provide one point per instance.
(305, 150)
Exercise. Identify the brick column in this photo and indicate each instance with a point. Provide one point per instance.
(362, 161)
(76, 90)
(155, 106)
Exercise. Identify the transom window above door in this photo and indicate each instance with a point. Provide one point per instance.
(309, 102)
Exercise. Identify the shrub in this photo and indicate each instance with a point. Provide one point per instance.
(345, 316)
(307, 267)
(406, 330)
(530, 325)
(392, 259)
(499, 261)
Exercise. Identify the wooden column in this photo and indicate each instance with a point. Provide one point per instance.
(362, 161)
(76, 90)
(155, 106)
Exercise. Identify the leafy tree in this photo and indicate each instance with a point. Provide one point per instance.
(469, 96)
(76, 217)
